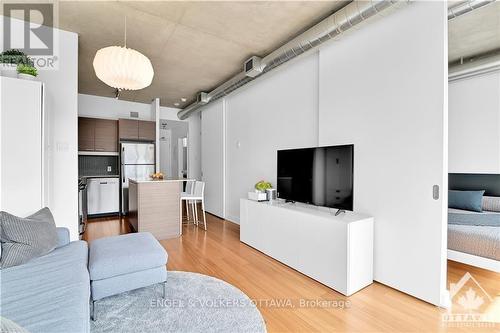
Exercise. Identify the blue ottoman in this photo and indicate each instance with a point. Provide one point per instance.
(126, 262)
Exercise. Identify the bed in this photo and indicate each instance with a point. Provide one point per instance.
(477, 240)
(474, 237)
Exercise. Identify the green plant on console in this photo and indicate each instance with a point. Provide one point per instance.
(263, 186)
(15, 57)
(26, 69)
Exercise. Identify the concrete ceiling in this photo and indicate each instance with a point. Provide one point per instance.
(475, 33)
(193, 46)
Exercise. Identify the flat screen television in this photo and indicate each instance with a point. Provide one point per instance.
(320, 176)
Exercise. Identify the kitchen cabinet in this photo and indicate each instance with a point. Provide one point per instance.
(147, 130)
(100, 135)
(106, 135)
(86, 134)
(130, 129)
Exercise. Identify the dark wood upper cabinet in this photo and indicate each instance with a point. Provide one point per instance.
(106, 135)
(128, 129)
(86, 134)
(147, 130)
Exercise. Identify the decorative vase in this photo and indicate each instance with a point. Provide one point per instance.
(8, 70)
(271, 194)
(26, 77)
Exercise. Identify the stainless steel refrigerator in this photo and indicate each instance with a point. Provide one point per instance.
(137, 162)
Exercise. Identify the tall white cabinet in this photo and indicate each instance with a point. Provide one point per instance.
(22, 160)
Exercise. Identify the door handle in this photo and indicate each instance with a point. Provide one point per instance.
(435, 192)
(103, 183)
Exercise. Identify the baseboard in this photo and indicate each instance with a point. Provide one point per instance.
(234, 219)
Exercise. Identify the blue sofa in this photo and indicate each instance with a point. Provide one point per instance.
(50, 293)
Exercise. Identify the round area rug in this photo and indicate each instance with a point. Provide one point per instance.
(194, 303)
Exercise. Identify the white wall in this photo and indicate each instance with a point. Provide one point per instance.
(212, 156)
(111, 108)
(105, 107)
(474, 123)
(276, 112)
(383, 88)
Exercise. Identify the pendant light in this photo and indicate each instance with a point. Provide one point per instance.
(123, 68)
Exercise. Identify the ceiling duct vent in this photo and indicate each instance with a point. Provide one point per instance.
(252, 67)
(202, 98)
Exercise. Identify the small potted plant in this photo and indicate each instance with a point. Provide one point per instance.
(26, 72)
(10, 59)
(260, 191)
(262, 186)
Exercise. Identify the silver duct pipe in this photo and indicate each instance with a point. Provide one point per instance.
(334, 25)
(465, 7)
(478, 67)
(331, 27)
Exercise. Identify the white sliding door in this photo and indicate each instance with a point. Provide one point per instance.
(212, 157)
(21, 146)
(384, 89)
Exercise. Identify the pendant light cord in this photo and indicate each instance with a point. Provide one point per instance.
(125, 31)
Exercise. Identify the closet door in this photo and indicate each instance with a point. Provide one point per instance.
(21, 148)
(212, 157)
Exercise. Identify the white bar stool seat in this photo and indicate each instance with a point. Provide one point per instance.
(197, 195)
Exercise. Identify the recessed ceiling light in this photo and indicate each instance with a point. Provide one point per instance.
(183, 99)
(176, 104)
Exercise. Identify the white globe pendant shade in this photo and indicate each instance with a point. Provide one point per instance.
(123, 68)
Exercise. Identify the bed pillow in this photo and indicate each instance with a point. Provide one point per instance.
(23, 239)
(491, 204)
(466, 200)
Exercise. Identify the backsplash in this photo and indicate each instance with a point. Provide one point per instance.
(97, 165)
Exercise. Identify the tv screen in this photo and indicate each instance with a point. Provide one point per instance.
(320, 176)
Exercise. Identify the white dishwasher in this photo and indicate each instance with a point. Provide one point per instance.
(103, 195)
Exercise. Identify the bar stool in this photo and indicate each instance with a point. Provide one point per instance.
(185, 195)
(198, 195)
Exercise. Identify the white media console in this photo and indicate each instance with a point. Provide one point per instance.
(334, 250)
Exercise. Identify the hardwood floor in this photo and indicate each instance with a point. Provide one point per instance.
(290, 301)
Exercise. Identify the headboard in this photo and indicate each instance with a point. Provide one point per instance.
(472, 181)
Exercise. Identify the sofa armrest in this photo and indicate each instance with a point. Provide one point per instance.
(63, 236)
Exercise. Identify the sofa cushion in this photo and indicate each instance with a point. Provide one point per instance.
(26, 238)
(117, 255)
(50, 293)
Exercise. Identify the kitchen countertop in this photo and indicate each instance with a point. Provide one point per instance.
(166, 180)
(99, 176)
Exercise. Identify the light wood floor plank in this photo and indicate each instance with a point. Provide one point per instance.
(377, 308)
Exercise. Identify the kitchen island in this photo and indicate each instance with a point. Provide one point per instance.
(154, 206)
